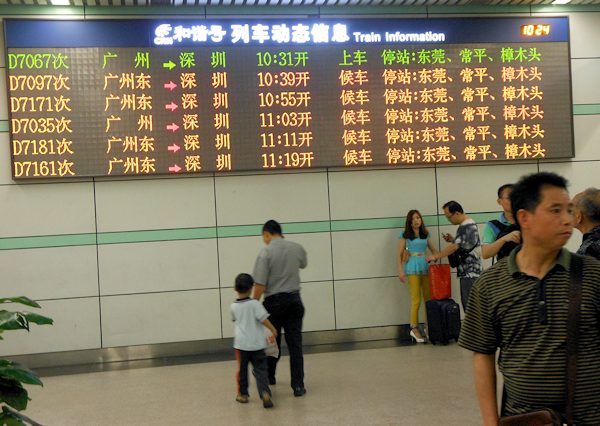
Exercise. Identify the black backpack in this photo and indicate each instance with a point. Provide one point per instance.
(504, 230)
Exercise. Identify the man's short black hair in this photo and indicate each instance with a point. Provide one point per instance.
(527, 192)
(243, 283)
(453, 207)
(504, 187)
(272, 227)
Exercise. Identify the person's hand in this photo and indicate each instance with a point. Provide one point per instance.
(274, 333)
(432, 258)
(448, 238)
(402, 277)
(514, 237)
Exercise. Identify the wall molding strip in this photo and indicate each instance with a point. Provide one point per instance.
(106, 356)
(178, 234)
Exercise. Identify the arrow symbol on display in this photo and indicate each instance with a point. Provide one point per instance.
(169, 65)
(172, 127)
(172, 106)
(174, 168)
(170, 85)
(174, 147)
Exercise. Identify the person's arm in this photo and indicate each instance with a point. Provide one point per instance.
(258, 291)
(303, 258)
(449, 249)
(492, 249)
(400, 253)
(268, 324)
(260, 274)
(484, 370)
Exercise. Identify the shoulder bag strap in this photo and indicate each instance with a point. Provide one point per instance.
(573, 331)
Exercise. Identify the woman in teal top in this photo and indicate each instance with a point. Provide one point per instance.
(412, 264)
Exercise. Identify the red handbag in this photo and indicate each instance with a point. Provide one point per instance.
(440, 282)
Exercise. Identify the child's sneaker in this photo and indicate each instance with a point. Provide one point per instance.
(267, 403)
(242, 398)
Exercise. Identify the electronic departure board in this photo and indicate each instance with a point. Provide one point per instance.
(140, 97)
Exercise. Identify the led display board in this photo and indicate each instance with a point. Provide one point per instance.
(141, 97)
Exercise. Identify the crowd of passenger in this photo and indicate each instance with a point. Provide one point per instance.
(538, 305)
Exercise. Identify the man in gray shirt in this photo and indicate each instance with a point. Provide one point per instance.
(277, 275)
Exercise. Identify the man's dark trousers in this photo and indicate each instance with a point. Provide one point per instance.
(286, 311)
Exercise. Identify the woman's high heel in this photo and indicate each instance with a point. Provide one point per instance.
(415, 338)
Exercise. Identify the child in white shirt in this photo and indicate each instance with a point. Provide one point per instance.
(250, 340)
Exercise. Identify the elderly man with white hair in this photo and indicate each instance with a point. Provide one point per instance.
(586, 210)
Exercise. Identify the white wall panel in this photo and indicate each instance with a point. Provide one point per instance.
(76, 326)
(155, 204)
(587, 137)
(372, 302)
(381, 193)
(160, 317)
(50, 273)
(475, 187)
(580, 174)
(297, 197)
(319, 305)
(158, 266)
(585, 32)
(237, 255)
(5, 166)
(585, 72)
(364, 254)
(228, 296)
(46, 209)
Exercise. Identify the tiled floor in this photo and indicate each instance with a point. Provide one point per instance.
(400, 385)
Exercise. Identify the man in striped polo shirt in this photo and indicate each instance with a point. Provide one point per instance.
(520, 305)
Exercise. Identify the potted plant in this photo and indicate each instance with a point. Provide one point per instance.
(13, 396)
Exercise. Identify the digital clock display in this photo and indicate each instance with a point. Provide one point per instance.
(535, 30)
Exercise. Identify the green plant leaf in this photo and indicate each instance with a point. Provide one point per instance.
(13, 394)
(20, 320)
(38, 319)
(9, 417)
(11, 420)
(15, 371)
(22, 300)
(13, 321)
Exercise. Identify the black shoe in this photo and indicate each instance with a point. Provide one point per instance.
(272, 380)
(299, 391)
(267, 402)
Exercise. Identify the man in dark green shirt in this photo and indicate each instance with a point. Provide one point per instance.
(520, 306)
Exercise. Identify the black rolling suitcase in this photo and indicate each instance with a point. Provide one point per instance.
(443, 320)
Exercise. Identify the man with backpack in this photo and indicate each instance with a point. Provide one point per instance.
(501, 236)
